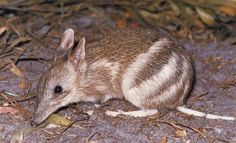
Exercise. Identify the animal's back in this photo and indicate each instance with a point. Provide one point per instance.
(149, 68)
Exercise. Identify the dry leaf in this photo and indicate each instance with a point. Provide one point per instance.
(59, 120)
(25, 131)
(231, 3)
(228, 10)
(2, 2)
(164, 140)
(22, 84)
(3, 30)
(188, 11)
(147, 14)
(198, 23)
(19, 41)
(121, 23)
(16, 70)
(181, 133)
(5, 63)
(11, 110)
(175, 8)
(206, 17)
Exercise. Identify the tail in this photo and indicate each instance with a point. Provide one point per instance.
(192, 112)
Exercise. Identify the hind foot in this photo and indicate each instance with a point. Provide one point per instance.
(139, 113)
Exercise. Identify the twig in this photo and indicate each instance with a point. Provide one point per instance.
(13, 100)
(199, 96)
(171, 124)
(39, 40)
(92, 135)
(193, 129)
(30, 9)
(41, 60)
(177, 127)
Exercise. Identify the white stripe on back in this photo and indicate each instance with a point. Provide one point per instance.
(136, 94)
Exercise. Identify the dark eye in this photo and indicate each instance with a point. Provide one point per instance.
(58, 89)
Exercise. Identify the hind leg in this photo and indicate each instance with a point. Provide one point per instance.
(134, 96)
(139, 113)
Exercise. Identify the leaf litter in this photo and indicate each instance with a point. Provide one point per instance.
(186, 18)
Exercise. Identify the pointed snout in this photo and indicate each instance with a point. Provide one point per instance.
(34, 124)
(42, 113)
(37, 120)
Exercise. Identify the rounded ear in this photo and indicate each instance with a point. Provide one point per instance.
(77, 58)
(67, 40)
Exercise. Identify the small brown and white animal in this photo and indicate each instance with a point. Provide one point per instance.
(146, 67)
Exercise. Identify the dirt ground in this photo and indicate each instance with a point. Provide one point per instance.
(214, 92)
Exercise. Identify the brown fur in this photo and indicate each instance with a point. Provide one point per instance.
(98, 76)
